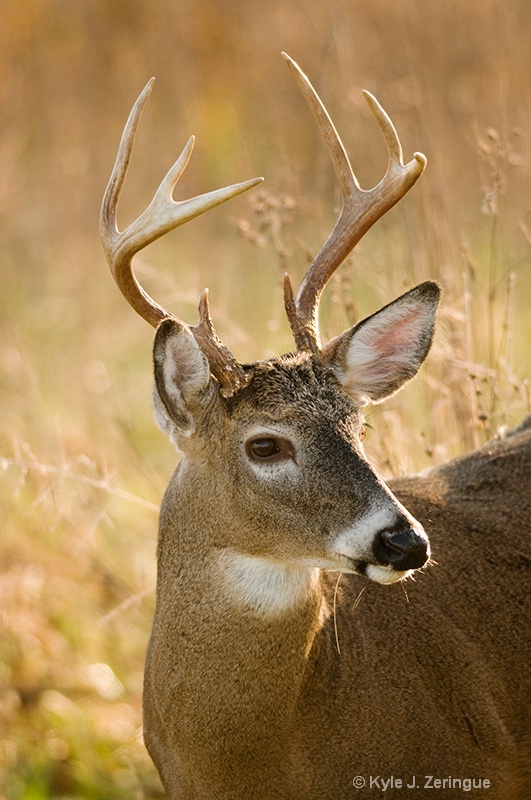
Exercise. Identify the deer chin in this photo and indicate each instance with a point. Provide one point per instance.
(386, 575)
(378, 573)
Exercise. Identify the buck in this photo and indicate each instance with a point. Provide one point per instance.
(265, 676)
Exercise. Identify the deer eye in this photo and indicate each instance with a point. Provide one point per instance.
(269, 449)
(264, 448)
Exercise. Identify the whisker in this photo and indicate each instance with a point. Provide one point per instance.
(335, 617)
(358, 598)
(405, 591)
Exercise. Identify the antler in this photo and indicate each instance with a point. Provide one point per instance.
(162, 215)
(361, 209)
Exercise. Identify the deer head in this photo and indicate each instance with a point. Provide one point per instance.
(273, 471)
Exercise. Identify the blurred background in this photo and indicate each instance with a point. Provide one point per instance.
(82, 465)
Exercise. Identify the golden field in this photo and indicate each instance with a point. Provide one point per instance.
(82, 464)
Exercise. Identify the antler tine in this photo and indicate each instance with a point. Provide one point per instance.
(334, 145)
(223, 365)
(360, 210)
(389, 131)
(161, 216)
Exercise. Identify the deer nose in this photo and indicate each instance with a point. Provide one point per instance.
(402, 549)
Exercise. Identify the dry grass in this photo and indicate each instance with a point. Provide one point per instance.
(82, 467)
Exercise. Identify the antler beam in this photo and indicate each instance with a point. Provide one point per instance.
(162, 215)
(360, 210)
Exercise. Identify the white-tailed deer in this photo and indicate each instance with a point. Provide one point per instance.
(265, 678)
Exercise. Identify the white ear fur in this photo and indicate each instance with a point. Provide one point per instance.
(376, 357)
(182, 376)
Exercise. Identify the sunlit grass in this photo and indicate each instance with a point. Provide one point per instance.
(76, 596)
(82, 465)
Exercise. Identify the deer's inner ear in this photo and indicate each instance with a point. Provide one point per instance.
(374, 359)
(182, 376)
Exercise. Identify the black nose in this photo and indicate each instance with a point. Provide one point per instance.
(402, 548)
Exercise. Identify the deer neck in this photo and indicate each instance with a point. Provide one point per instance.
(200, 566)
(212, 583)
(232, 634)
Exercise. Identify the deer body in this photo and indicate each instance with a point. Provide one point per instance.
(280, 666)
(253, 696)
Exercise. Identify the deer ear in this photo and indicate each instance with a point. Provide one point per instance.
(182, 378)
(376, 357)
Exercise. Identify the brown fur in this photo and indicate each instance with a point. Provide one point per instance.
(426, 681)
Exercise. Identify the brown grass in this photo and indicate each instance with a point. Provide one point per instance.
(82, 466)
